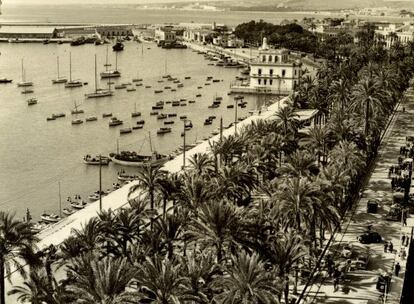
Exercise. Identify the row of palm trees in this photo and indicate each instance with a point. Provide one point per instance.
(244, 223)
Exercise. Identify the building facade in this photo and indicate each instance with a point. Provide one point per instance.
(165, 35)
(273, 71)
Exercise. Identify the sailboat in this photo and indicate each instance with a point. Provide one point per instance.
(135, 113)
(59, 79)
(72, 83)
(24, 83)
(75, 110)
(98, 92)
(111, 73)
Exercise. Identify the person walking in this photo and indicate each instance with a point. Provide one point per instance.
(336, 283)
(385, 246)
(403, 239)
(397, 269)
(391, 247)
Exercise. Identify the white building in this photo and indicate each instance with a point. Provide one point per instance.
(165, 35)
(274, 72)
(393, 32)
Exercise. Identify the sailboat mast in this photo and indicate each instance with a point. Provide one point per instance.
(96, 84)
(116, 61)
(57, 60)
(22, 72)
(149, 136)
(60, 201)
(106, 62)
(70, 66)
(165, 66)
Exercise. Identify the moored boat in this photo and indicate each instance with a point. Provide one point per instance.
(163, 130)
(106, 115)
(68, 211)
(115, 122)
(133, 159)
(125, 130)
(50, 217)
(91, 118)
(94, 160)
(32, 101)
(77, 121)
(5, 80)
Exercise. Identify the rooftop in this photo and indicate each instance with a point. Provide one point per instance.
(26, 29)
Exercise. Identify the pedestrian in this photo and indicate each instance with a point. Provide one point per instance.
(385, 247)
(404, 218)
(403, 239)
(335, 283)
(397, 269)
(407, 240)
(391, 247)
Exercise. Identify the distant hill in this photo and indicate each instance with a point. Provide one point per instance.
(317, 4)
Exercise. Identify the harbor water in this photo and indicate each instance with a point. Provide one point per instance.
(36, 155)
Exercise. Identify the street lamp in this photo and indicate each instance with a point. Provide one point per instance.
(236, 103)
(184, 129)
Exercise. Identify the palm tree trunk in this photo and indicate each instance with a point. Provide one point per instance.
(2, 284)
(367, 119)
(219, 252)
(164, 207)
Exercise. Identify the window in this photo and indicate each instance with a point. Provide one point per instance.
(259, 71)
(265, 81)
(271, 81)
(271, 71)
(275, 58)
(259, 81)
(294, 84)
(283, 73)
(270, 58)
(296, 71)
(264, 58)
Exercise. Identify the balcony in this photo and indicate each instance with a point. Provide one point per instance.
(271, 76)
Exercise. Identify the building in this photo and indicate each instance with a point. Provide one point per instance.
(165, 35)
(27, 32)
(273, 72)
(392, 33)
(114, 30)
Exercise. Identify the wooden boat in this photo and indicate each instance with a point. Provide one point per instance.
(172, 115)
(77, 121)
(136, 79)
(72, 83)
(170, 122)
(163, 130)
(180, 85)
(175, 103)
(125, 130)
(157, 107)
(94, 160)
(162, 116)
(135, 113)
(5, 80)
(120, 86)
(182, 117)
(32, 101)
(50, 118)
(131, 89)
(76, 110)
(115, 122)
(78, 204)
(138, 84)
(50, 217)
(159, 103)
(158, 91)
(230, 106)
(199, 87)
(59, 115)
(140, 122)
(106, 115)
(27, 91)
(68, 211)
(110, 73)
(99, 92)
(191, 101)
(187, 77)
(24, 83)
(138, 127)
(95, 196)
(91, 118)
(59, 79)
(153, 113)
(118, 46)
(147, 86)
(198, 95)
(133, 159)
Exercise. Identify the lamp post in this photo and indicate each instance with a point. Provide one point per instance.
(236, 103)
(100, 183)
(184, 144)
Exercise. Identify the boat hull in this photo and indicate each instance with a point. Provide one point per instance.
(138, 163)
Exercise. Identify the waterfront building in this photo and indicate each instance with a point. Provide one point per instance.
(165, 35)
(27, 32)
(228, 41)
(273, 72)
(391, 33)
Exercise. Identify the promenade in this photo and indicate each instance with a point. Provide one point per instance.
(360, 285)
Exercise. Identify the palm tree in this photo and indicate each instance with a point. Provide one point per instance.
(15, 236)
(214, 226)
(170, 228)
(319, 138)
(148, 177)
(35, 289)
(195, 191)
(247, 282)
(368, 98)
(161, 281)
(101, 281)
(201, 163)
(90, 235)
(288, 120)
(300, 163)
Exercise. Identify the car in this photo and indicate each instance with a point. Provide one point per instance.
(369, 237)
(360, 262)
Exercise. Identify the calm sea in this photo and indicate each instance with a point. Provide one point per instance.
(36, 154)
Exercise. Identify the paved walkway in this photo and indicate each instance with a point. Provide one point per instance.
(360, 286)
